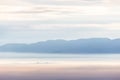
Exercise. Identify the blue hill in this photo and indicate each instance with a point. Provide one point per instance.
(93, 45)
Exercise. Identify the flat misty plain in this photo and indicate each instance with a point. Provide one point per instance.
(43, 66)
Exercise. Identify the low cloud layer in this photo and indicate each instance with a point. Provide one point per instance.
(58, 72)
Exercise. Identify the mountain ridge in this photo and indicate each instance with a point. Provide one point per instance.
(91, 45)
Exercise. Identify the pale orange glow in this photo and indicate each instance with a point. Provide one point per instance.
(35, 69)
(51, 71)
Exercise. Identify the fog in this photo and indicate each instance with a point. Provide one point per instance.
(59, 66)
(59, 72)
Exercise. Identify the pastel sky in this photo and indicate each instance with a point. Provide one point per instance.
(27, 21)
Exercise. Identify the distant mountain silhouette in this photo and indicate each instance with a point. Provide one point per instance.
(93, 45)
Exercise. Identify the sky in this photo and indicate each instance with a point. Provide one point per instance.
(29, 21)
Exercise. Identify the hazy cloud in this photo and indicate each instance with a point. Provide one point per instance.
(58, 19)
